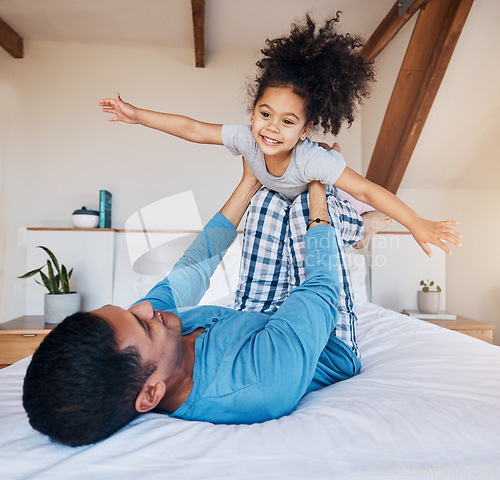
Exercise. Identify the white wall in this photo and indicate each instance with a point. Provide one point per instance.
(453, 173)
(473, 271)
(57, 149)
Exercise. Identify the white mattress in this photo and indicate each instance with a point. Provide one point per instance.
(426, 405)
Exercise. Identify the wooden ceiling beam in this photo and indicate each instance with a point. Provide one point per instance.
(430, 49)
(10, 40)
(198, 7)
(388, 29)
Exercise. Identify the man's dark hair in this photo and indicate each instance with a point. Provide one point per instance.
(79, 387)
(323, 67)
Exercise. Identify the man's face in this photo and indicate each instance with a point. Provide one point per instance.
(157, 336)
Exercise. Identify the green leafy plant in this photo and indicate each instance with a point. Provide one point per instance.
(56, 280)
(429, 286)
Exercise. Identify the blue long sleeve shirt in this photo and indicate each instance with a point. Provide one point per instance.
(249, 366)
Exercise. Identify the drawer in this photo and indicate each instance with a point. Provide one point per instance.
(15, 346)
(481, 334)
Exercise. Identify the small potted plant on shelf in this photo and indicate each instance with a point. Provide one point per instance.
(429, 297)
(60, 301)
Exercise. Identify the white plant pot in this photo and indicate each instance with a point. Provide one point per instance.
(428, 302)
(59, 306)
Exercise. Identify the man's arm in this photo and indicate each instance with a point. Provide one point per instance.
(238, 202)
(318, 208)
(190, 278)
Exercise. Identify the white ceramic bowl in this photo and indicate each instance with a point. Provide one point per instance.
(85, 218)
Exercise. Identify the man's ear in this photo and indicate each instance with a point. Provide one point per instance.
(305, 131)
(149, 396)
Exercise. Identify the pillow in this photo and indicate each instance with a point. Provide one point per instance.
(356, 260)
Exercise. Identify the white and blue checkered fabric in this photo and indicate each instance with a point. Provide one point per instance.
(273, 257)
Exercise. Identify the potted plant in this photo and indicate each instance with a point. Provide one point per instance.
(60, 301)
(429, 298)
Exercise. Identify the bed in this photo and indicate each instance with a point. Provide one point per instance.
(426, 405)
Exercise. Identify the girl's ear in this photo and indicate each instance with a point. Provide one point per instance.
(305, 131)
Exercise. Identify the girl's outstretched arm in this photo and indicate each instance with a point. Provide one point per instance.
(424, 231)
(177, 125)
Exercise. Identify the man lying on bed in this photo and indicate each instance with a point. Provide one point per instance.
(98, 370)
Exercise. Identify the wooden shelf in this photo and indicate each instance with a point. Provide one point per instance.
(119, 230)
(70, 229)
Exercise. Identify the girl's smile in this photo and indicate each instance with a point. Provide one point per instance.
(279, 122)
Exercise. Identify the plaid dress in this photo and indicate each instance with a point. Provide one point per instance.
(272, 262)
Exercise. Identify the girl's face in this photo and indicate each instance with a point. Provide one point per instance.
(279, 122)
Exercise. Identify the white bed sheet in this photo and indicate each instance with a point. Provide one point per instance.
(426, 405)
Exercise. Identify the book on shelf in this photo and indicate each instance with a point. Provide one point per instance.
(430, 316)
(104, 209)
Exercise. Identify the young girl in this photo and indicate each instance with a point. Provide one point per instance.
(306, 79)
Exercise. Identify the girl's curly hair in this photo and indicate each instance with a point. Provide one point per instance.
(324, 68)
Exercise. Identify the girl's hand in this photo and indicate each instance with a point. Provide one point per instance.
(327, 147)
(426, 231)
(124, 112)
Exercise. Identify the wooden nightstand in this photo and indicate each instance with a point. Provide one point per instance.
(481, 330)
(20, 337)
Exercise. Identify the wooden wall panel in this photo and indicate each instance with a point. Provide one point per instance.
(11, 41)
(430, 49)
(198, 7)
